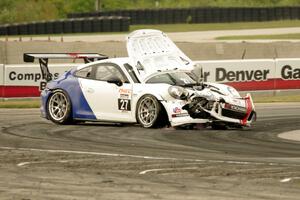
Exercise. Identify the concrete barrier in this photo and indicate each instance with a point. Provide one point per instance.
(254, 74)
(1, 79)
(245, 75)
(12, 52)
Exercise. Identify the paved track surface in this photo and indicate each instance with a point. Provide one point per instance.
(193, 36)
(41, 160)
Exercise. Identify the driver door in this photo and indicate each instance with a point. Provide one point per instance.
(109, 101)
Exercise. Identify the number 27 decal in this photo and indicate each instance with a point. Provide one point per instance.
(124, 104)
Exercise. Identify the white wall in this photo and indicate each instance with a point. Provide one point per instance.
(30, 75)
(254, 74)
(1, 74)
(1, 80)
(244, 75)
(26, 80)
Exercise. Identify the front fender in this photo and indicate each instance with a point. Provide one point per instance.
(159, 91)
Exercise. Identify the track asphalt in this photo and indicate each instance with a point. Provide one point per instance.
(41, 160)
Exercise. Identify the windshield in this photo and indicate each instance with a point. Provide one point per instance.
(174, 78)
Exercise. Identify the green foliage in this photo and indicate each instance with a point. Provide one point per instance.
(29, 10)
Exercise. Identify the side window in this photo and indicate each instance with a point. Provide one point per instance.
(105, 72)
(84, 73)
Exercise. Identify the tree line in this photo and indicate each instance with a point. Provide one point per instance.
(14, 11)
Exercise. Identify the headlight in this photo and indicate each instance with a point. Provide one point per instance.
(178, 92)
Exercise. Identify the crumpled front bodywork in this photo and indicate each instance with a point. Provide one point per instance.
(210, 105)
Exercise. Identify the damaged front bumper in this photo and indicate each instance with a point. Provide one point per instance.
(218, 112)
(248, 117)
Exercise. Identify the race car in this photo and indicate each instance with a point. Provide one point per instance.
(156, 85)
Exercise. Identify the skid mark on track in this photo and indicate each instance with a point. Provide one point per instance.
(21, 164)
(89, 153)
(167, 169)
(285, 180)
(144, 157)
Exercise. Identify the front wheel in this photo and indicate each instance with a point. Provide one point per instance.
(59, 107)
(148, 111)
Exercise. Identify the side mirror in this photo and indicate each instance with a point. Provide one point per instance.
(116, 80)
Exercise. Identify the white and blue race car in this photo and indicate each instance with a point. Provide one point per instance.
(154, 86)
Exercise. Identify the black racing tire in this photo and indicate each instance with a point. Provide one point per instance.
(59, 108)
(149, 111)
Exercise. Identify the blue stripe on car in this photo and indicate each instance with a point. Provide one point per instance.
(70, 84)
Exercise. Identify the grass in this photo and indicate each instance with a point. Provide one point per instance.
(274, 99)
(293, 36)
(33, 103)
(20, 103)
(218, 26)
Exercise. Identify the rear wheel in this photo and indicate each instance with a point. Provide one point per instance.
(59, 107)
(148, 111)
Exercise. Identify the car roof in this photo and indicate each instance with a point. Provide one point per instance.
(119, 61)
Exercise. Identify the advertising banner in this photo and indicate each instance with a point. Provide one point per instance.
(27, 80)
(287, 74)
(244, 75)
(241, 74)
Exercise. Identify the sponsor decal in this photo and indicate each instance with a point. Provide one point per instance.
(124, 93)
(238, 108)
(124, 96)
(176, 110)
(180, 115)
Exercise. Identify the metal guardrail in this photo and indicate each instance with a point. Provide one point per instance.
(199, 15)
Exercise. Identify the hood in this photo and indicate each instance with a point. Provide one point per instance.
(151, 51)
(226, 90)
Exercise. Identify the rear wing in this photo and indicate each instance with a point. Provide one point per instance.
(44, 57)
